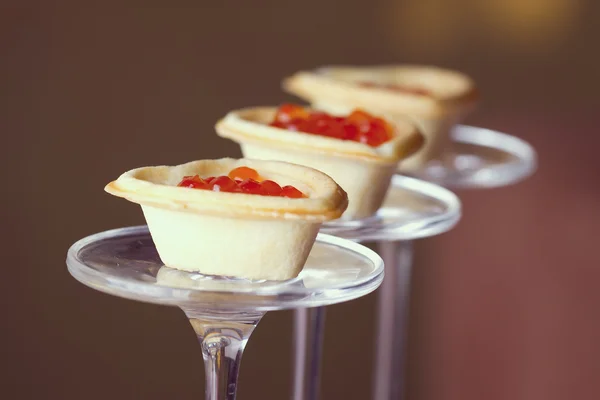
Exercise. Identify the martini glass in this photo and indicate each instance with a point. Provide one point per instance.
(477, 158)
(222, 311)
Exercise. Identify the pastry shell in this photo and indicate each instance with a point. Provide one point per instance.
(363, 171)
(232, 234)
(453, 95)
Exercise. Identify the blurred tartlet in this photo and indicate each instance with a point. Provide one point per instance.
(435, 99)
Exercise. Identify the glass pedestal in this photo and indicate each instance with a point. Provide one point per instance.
(222, 311)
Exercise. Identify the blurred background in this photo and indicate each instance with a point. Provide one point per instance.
(503, 307)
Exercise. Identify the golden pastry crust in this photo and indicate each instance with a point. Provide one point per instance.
(451, 91)
(157, 187)
(250, 125)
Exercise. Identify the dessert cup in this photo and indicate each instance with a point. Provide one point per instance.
(363, 171)
(435, 99)
(232, 234)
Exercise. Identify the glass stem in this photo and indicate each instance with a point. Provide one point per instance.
(309, 330)
(223, 337)
(392, 320)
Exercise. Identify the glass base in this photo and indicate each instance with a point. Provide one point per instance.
(480, 158)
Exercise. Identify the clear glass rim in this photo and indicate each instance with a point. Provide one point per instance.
(377, 228)
(172, 295)
(522, 165)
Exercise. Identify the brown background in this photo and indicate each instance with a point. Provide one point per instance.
(503, 307)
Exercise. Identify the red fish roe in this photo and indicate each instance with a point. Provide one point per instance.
(194, 182)
(242, 173)
(250, 186)
(270, 188)
(241, 180)
(359, 126)
(290, 191)
(223, 184)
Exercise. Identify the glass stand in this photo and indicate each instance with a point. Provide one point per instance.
(413, 209)
(480, 158)
(222, 311)
(477, 159)
(392, 320)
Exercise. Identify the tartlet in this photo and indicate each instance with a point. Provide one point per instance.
(436, 99)
(232, 234)
(363, 171)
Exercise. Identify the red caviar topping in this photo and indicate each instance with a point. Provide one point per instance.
(194, 182)
(359, 126)
(223, 184)
(290, 191)
(242, 173)
(289, 112)
(397, 88)
(250, 186)
(270, 188)
(240, 180)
